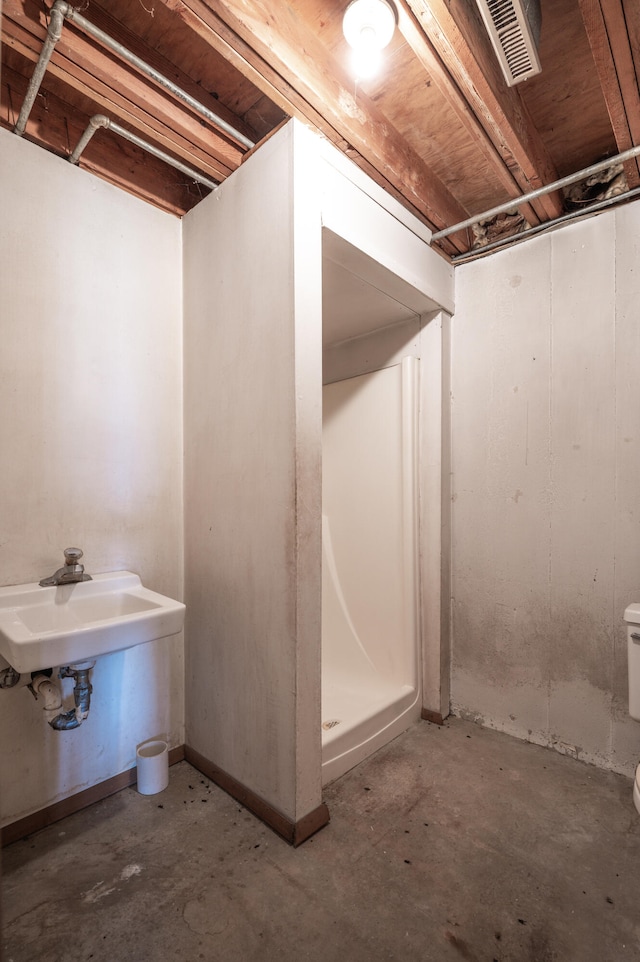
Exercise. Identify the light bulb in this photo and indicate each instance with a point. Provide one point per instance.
(366, 62)
(368, 25)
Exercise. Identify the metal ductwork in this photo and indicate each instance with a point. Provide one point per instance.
(514, 29)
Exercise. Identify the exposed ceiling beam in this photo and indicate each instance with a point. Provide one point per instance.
(279, 90)
(120, 91)
(608, 34)
(463, 46)
(299, 63)
(149, 55)
(58, 125)
(417, 39)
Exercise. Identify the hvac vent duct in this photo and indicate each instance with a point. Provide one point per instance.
(514, 29)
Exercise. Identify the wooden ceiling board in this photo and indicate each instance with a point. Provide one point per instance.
(58, 125)
(207, 25)
(175, 42)
(324, 19)
(427, 117)
(124, 94)
(487, 160)
(25, 19)
(565, 101)
(186, 78)
(438, 128)
(106, 100)
(298, 56)
(52, 118)
(461, 41)
(282, 91)
(632, 16)
(606, 27)
(431, 127)
(139, 103)
(264, 116)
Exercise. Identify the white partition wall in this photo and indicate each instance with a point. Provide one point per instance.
(252, 276)
(253, 397)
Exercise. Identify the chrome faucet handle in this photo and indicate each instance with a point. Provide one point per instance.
(70, 573)
(72, 555)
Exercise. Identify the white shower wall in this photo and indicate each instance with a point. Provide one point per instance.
(363, 500)
(370, 632)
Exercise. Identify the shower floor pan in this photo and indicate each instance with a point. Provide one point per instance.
(358, 718)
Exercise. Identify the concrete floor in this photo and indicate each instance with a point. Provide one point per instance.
(454, 844)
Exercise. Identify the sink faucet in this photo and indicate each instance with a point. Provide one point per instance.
(70, 573)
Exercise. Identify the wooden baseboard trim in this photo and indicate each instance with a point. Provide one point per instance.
(75, 803)
(433, 716)
(176, 755)
(293, 832)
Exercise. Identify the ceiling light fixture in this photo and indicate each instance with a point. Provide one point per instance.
(368, 27)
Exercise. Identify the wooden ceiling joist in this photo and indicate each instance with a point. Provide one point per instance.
(204, 23)
(58, 126)
(295, 55)
(438, 128)
(121, 92)
(114, 29)
(209, 27)
(498, 107)
(608, 33)
(424, 51)
(149, 128)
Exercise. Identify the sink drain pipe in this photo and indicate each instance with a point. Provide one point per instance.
(43, 686)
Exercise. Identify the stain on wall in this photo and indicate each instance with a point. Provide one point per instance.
(546, 513)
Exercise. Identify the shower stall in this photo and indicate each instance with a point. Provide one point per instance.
(370, 611)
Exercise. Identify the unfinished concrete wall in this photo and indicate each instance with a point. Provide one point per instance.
(546, 500)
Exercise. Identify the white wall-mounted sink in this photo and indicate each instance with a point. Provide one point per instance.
(47, 627)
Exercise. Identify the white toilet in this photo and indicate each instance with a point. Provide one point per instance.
(632, 618)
